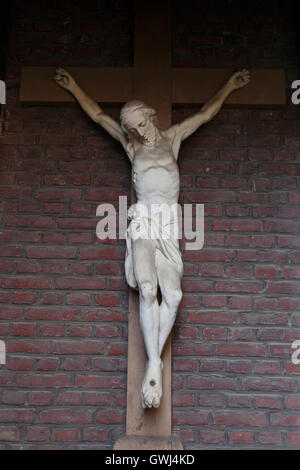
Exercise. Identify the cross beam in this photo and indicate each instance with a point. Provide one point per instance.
(153, 80)
(120, 84)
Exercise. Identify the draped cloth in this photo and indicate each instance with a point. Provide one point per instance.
(160, 227)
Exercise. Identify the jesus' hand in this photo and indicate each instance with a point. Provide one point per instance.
(64, 79)
(239, 79)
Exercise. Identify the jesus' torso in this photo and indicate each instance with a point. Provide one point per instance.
(155, 173)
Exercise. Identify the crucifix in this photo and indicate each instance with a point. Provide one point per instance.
(153, 80)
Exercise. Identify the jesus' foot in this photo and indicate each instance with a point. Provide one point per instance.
(152, 385)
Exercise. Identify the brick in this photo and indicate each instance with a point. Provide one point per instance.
(37, 434)
(284, 419)
(10, 313)
(110, 417)
(49, 237)
(207, 255)
(27, 283)
(239, 286)
(223, 418)
(107, 300)
(265, 401)
(211, 365)
(25, 297)
(241, 437)
(212, 318)
(240, 349)
(117, 349)
(82, 347)
(66, 416)
(48, 364)
(44, 381)
(28, 346)
(283, 287)
(292, 402)
(66, 435)
(103, 364)
(95, 435)
(240, 302)
(183, 399)
(211, 383)
(212, 437)
(75, 363)
(268, 384)
(69, 398)
(82, 284)
(30, 221)
(263, 241)
(236, 225)
(98, 398)
(27, 267)
(215, 333)
(40, 398)
(240, 367)
(108, 268)
(261, 256)
(9, 433)
(265, 303)
(214, 301)
(103, 315)
(107, 331)
(24, 329)
(20, 364)
(79, 299)
(95, 381)
(293, 438)
(237, 240)
(242, 334)
(195, 418)
(12, 415)
(61, 252)
(12, 397)
(240, 272)
(61, 314)
(184, 365)
(79, 330)
(267, 367)
(210, 196)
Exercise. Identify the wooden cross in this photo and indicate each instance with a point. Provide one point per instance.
(153, 80)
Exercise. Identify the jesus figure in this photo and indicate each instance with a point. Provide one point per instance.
(152, 261)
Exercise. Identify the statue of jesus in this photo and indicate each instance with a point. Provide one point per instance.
(152, 261)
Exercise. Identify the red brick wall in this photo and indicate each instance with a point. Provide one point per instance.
(63, 299)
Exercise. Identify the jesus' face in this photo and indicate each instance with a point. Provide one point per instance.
(141, 127)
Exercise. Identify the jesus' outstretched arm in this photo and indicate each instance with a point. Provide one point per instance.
(212, 107)
(65, 80)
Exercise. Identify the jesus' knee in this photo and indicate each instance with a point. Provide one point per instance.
(173, 298)
(148, 292)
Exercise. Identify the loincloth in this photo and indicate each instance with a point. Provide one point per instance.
(160, 227)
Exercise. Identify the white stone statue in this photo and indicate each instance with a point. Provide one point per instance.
(152, 261)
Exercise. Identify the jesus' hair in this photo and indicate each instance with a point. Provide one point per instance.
(136, 105)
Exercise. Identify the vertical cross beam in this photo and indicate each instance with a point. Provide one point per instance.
(152, 84)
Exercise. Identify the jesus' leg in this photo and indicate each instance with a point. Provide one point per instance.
(145, 273)
(169, 281)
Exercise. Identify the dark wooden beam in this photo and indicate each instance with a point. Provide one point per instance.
(120, 84)
(105, 85)
(195, 86)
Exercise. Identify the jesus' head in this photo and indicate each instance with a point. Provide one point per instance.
(139, 121)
